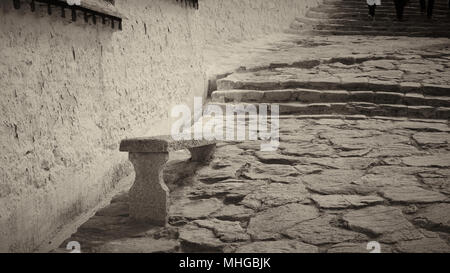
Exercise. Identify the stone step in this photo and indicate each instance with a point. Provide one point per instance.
(361, 5)
(351, 108)
(229, 83)
(368, 22)
(381, 10)
(349, 17)
(409, 17)
(328, 96)
(443, 3)
(373, 29)
(434, 33)
(391, 28)
(439, 4)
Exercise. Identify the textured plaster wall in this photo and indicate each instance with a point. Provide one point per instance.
(69, 92)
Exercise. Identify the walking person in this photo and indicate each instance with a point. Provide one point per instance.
(372, 4)
(427, 5)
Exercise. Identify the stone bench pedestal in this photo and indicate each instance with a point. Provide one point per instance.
(149, 195)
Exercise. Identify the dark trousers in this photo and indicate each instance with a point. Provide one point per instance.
(372, 10)
(399, 7)
(428, 7)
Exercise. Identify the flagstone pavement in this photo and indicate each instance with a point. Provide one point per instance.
(336, 184)
(372, 164)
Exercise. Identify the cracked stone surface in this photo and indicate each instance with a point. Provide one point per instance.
(274, 195)
(386, 223)
(356, 248)
(281, 218)
(309, 203)
(320, 231)
(337, 181)
(435, 217)
(345, 201)
(426, 245)
(282, 246)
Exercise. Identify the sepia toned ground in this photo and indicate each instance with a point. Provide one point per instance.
(364, 155)
(336, 184)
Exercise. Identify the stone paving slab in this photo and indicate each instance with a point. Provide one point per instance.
(337, 182)
(343, 75)
(319, 201)
(289, 50)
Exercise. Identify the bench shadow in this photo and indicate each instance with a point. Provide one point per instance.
(113, 222)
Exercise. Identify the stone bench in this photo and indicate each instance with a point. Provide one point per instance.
(149, 195)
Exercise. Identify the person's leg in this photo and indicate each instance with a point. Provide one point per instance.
(371, 10)
(396, 7)
(430, 8)
(402, 8)
(399, 9)
(423, 5)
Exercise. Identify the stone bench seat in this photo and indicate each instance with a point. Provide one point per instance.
(149, 195)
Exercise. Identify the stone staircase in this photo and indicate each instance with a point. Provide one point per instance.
(356, 67)
(387, 88)
(389, 101)
(349, 17)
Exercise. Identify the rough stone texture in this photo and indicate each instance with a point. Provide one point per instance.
(345, 201)
(274, 195)
(439, 160)
(335, 182)
(356, 248)
(385, 177)
(149, 195)
(284, 246)
(234, 213)
(226, 231)
(200, 239)
(358, 132)
(412, 195)
(432, 139)
(115, 209)
(320, 231)
(202, 153)
(72, 91)
(196, 209)
(280, 219)
(161, 144)
(435, 217)
(426, 245)
(139, 245)
(230, 190)
(267, 171)
(336, 204)
(387, 222)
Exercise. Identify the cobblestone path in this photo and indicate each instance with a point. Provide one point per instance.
(336, 184)
(364, 156)
(350, 17)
